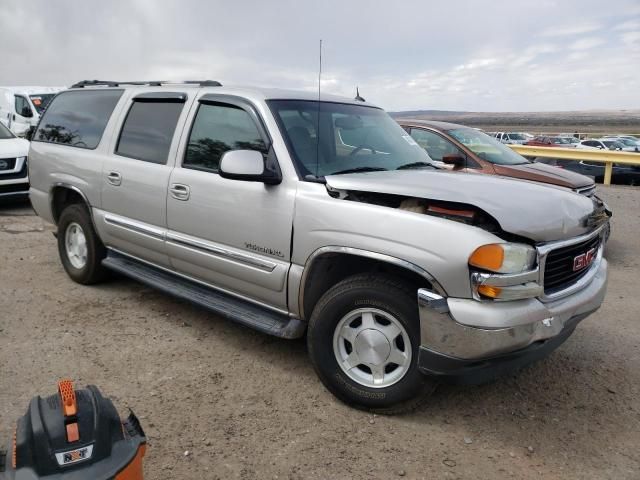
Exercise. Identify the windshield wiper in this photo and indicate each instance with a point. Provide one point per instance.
(416, 165)
(360, 169)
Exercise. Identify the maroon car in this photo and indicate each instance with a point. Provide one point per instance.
(466, 149)
(550, 141)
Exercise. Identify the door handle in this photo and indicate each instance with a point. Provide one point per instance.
(180, 191)
(114, 178)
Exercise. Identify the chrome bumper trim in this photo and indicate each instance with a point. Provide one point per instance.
(468, 329)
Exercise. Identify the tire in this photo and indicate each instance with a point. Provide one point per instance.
(388, 300)
(75, 219)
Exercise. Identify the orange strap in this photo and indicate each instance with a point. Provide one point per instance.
(68, 397)
(73, 435)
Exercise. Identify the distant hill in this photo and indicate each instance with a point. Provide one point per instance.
(570, 121)
(426, 113)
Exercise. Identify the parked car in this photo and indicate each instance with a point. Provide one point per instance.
(20, 107)
(247, 202)
(14, 181)
(550, 141)
(601, 144)
(627, 144)
(513, 138)
(571, 139)
(467, 150)
(621, 174)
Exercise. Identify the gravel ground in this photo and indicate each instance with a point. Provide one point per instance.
(245, 405)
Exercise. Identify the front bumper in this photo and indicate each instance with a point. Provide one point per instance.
(475, 340)
(14, 189)
(15, 183)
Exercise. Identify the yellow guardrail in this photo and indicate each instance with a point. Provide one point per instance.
(578, 154)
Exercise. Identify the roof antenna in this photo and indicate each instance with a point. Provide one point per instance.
(318, 117)
(358, 97)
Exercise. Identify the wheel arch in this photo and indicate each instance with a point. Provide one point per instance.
(328, 265)
(63, 194)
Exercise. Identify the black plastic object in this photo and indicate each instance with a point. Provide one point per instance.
(89, 441)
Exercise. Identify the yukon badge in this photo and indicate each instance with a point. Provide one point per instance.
(584, 260)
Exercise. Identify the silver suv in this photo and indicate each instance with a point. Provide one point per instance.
(296, 216)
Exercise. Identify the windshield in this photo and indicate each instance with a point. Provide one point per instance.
(4, 132)
(486, 147)
(41, 101)
(517, 136)
(612, 144)
(352, 138)
(627, 141)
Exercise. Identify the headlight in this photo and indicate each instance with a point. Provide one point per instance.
(504, 257)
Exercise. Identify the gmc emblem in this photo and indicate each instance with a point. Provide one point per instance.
(584, 260)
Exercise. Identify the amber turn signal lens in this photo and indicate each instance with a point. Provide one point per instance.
(488, 291)
(488, 257)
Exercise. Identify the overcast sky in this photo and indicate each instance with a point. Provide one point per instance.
(451, 55)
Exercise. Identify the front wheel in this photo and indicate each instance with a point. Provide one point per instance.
(363, 339)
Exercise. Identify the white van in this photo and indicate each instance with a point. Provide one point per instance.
(20, 107)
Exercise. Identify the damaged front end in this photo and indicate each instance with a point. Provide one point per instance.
(527, 210)
(454, 211)
(531, 219)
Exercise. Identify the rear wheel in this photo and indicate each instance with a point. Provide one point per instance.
(363, 340)
(80, 248)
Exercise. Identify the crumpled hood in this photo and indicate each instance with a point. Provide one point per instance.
(536, 211)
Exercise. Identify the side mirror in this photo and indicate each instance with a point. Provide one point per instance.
(248, 165)
(454, 159)
(26, 112)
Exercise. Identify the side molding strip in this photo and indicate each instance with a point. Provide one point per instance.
(206, 247)
(135, 226)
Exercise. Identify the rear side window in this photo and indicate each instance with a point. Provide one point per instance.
(217, 129)
(148, 130)
(77, 118)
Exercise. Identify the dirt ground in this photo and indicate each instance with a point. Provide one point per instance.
(245, 405)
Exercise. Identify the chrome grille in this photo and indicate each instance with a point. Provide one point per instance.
(7, 164)
(558, 269)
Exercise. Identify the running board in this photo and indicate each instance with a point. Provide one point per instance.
(228, 306)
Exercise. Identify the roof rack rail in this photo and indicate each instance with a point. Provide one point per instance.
(151, 83)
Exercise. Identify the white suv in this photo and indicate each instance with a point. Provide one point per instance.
(14, 180)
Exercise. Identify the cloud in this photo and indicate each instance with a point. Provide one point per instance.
(446, 55)
(565, 29)
(628, 25)
(586, 43)
(630, 37)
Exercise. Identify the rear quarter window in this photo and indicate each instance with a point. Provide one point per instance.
(77, 118)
